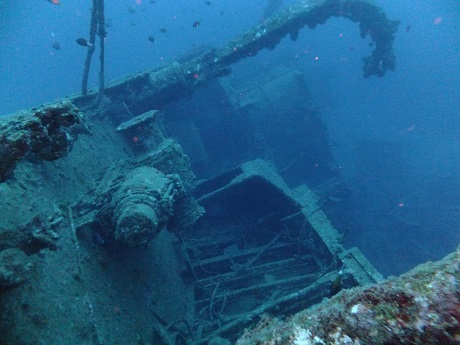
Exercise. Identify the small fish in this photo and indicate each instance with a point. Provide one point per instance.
(56, 45)
(131, 9)
(55, 2)
(108, 23)
(83, 42)
(163, 30)
(151, 39)
(371, 44)
(98, 239)
(408, 28)
(196, 24)
(336, 285)
(208, 3)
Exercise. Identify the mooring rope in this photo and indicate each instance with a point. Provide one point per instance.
(97, 26)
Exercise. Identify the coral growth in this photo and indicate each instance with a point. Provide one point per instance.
(419, 307)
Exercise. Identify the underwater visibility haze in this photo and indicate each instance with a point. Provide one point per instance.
(231, 159)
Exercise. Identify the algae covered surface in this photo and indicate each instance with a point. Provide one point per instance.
(419, 307)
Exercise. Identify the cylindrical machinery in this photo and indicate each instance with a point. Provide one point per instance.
(132, 208)
(135, 223)
(142, 205)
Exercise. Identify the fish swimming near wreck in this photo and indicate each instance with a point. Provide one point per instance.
(98, 239)
(83, 42)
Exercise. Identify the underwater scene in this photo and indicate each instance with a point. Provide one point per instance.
(212, 172)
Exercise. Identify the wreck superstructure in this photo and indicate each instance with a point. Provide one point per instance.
(163, 225)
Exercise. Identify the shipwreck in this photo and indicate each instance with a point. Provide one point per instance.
(140, 213)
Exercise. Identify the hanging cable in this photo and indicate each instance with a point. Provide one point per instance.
(101, 33)
(97, 26)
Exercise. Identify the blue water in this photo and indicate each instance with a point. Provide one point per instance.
(396, 138)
